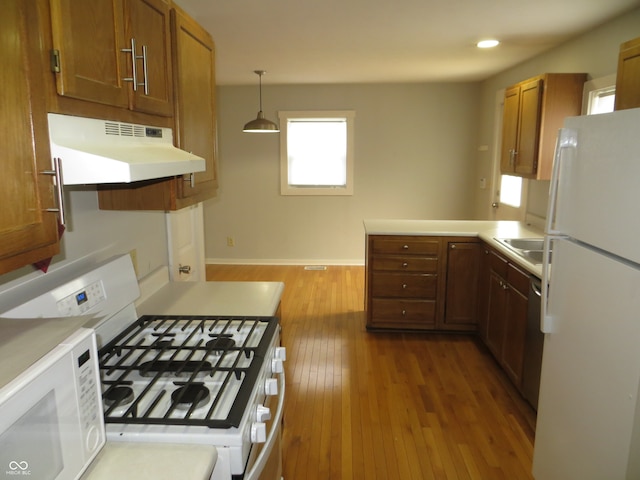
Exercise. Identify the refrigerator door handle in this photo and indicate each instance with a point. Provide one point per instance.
(546, 317)
(567, 138)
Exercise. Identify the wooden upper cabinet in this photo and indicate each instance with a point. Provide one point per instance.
(628, 77)
(533, 112)
(90, 43)
(195, 101)
(194, 128)
(27, 232)
(149, 24)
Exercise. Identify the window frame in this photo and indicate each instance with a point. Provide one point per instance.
(285, 187)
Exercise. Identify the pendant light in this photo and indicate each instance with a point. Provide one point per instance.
(260, 124)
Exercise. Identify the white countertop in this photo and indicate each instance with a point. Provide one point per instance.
(214, 298)
(486, 230)
(142, 461)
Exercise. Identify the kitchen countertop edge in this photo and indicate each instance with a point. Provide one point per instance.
(486, 230)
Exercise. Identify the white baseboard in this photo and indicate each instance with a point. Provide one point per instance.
(288, 261)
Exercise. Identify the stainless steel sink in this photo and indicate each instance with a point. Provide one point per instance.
(531, 249)
(523, 243)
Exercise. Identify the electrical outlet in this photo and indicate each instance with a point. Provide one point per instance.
(230, 242)
(134, 259)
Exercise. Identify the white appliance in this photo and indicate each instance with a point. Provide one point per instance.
(51, 423)
(588, 425)
(187, 377)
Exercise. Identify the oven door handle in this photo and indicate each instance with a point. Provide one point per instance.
(262, 457)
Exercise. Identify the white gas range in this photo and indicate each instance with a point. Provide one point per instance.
(202, 365)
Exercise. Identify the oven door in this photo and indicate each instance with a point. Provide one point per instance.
(265, 461)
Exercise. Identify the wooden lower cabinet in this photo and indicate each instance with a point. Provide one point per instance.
(422, 282)
(463, 269)
(506, 315)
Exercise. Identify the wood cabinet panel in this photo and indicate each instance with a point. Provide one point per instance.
(533, 112)
(515, 328)
(496, 316)
(27, 233)
(404, 285)
(405, 263)
(406, 245)
(148, 22)
(506, 319)
(526, 158)
(91, 38)
(628, 76)
(195, 127)
(394, 312)
(403, 281)
(195, 104)
(463, 268)
(420, 282)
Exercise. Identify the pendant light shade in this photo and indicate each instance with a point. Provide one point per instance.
(260, 124)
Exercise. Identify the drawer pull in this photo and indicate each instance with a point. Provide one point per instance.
(404, 285)
(405, 265)
(405, 247)
(404, 312)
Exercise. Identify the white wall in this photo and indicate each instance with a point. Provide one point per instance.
(414, 154)
(93, 235)
(594, 53)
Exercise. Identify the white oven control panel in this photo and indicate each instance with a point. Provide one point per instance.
(82, 300)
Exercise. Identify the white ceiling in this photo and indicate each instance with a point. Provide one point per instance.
(359, 41)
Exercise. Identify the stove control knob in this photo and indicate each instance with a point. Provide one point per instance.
(263, 413)
(258, 432)
(277, 366)
(280, 353)
(271, 386)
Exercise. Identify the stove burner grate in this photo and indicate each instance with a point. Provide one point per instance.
(210, 358)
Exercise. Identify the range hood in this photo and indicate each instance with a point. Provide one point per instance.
(95, 151)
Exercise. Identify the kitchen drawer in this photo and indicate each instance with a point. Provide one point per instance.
(498, 264)
(385, 310)
(405, 263)
(404, 285)
(518, 279)
(405, 245)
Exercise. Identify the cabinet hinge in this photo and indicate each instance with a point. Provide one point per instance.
(55, 61)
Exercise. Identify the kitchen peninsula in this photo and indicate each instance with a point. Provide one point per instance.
(453, 276)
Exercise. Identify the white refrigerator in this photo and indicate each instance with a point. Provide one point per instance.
(588, 425)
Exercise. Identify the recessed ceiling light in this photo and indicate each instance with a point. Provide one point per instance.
(488, 43)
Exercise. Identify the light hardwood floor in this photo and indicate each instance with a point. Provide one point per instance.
(364, 405)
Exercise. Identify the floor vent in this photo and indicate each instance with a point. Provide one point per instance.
(315, 267)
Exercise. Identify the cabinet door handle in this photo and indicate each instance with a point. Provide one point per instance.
(191, 180)
(145, 81)
(57, 173)
(512, 156)
(134, 69)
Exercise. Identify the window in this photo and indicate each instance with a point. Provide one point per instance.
(511, 190)
(601, 100)
(316, 153)
(599, 95)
